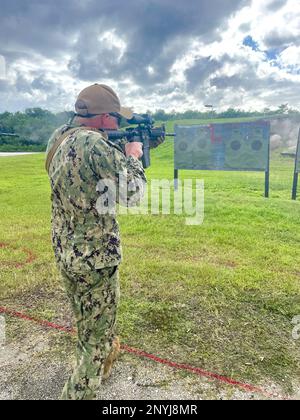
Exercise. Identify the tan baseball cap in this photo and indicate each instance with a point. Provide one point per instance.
(100, 99)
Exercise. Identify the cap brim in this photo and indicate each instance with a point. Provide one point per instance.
(127, 113)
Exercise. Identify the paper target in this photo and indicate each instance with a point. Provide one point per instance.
(238, 147)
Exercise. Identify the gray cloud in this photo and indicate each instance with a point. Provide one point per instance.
(245, 27)
(148, 27)
(155, 33)
(276, 39)
(276, 5)
(202, 69)
(239, 85)
(273, 90)
(43, 84)
(4, 86)
(22, 85)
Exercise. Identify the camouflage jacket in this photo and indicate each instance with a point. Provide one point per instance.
(83, 238)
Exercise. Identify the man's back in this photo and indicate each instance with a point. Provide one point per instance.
(89, 175)
(82, 238)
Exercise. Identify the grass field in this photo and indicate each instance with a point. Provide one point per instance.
(220, 296)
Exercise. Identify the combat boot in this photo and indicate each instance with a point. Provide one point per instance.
(108, 364)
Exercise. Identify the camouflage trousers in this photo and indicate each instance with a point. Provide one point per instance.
(94, 298)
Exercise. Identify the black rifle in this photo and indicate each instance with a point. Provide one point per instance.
(144, 132)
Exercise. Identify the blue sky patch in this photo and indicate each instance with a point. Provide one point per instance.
(273, 53)
(249, 42)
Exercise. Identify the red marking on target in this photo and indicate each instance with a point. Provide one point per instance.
(213, 138)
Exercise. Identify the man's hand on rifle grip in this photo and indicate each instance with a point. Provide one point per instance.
(134, 149)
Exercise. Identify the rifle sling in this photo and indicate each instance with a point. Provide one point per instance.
(60, 141)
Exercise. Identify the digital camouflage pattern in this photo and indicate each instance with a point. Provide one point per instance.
(94, 299)
(87, 244)
(83, 240)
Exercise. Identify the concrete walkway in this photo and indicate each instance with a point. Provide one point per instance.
(10, 154)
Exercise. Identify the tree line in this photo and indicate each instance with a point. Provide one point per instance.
(34, 126)
(282, 110)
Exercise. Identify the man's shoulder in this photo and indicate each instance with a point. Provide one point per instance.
(81, 136)
(57, 133)
(90, 135)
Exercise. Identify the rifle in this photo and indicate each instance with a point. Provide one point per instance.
(144, 132)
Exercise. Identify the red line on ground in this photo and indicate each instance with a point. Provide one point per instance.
(141, 353)
(44, 323)
(30, 256)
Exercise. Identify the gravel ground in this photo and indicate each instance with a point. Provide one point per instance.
(35, 365)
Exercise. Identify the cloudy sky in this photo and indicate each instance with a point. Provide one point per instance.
(170, 54)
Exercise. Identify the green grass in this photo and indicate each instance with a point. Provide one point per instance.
(16, 147)
(219, 296)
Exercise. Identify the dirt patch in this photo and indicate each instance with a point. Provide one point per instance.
(35, 363)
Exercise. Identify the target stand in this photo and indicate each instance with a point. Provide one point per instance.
(297, 170)
(223, 147)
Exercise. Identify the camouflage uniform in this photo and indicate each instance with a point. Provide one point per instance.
(87, 244)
